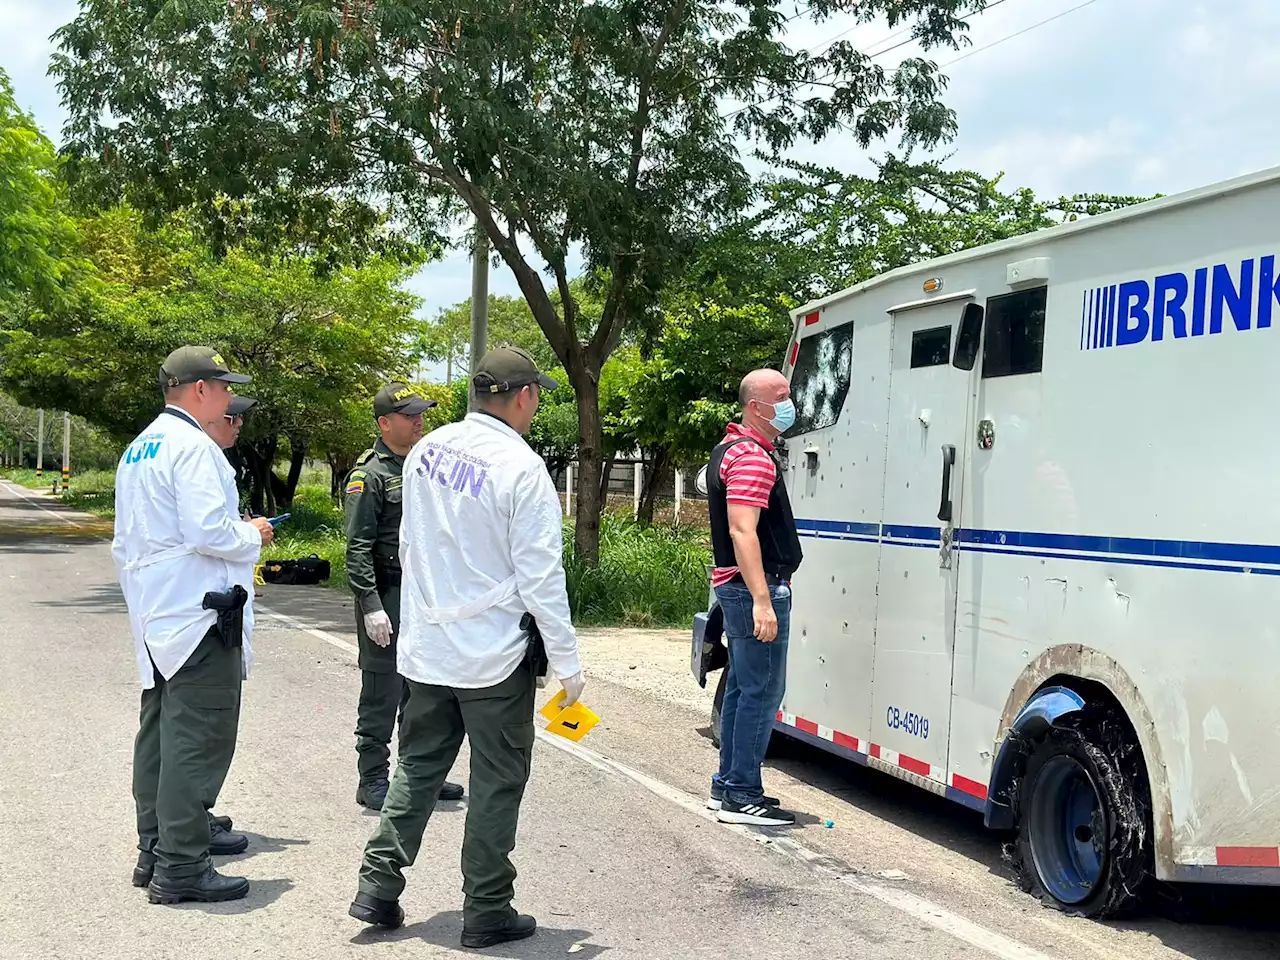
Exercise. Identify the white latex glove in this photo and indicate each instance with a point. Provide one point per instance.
(572, 688)
(378, 626)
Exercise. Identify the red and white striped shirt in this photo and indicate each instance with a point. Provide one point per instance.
(748, 474)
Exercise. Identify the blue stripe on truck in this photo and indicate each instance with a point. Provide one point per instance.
(1180, 554)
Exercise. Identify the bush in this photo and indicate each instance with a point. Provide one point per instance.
(647, 576)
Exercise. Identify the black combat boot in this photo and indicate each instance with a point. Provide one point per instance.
(519, 927)
(145, 869)
(380, 913)
(207, 887)
(372, 794)
(224, 844)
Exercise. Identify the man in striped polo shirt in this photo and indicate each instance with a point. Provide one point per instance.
(756, 550)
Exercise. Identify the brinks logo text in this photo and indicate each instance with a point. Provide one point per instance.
(1207, 300)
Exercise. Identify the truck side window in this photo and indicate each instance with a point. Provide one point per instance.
(931, 348)
(1014, 342)
(820, 381)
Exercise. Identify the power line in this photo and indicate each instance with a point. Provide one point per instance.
(996, 43)
(826, 44)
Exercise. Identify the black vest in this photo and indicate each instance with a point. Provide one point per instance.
(776, 530)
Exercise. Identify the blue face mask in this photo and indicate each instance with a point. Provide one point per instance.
(784, 415)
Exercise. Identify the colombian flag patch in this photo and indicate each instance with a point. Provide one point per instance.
(355, 486)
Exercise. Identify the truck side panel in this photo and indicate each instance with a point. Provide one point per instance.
(1127, 506)
(830, 661)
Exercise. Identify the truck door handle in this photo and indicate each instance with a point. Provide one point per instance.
(948, 460)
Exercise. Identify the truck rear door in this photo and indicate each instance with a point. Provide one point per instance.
(929, 402)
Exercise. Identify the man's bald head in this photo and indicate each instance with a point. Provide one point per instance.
(759, 394)
(762, 385)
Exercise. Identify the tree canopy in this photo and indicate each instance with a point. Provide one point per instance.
(37, 234)
(316, 343)
(553, 122)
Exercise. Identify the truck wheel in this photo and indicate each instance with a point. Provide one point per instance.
(715, 708)
(1084, 839)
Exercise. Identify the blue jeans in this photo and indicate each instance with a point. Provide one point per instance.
(752, 693)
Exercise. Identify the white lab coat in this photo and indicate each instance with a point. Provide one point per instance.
(177, 537)
(481, 543)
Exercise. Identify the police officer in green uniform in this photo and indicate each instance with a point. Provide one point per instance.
(373, 502)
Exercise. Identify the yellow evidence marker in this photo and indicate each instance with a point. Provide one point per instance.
(572, 723)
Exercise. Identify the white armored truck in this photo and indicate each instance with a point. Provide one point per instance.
(1038, 484)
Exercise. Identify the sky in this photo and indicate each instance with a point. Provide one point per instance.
(1063, 96)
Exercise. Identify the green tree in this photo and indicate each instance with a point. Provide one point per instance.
(313, 340)
(823, 230)
(551, 122)
(36, 233)
(816, 231)
(447, 338)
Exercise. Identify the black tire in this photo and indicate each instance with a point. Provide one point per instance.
(1084, 818)
(715, 708)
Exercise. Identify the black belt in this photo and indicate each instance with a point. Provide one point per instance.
(772, 579)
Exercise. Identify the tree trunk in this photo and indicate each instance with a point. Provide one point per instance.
(297, 460)
(655, 476)
(262, 454)
(606, 473)
(586, 531)
(340, 464)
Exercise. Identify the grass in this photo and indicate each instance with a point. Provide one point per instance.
(647, 576)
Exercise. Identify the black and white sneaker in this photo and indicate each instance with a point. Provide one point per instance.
(756, 813)
(715, 803)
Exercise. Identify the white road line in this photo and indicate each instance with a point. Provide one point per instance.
(10, 485)
(929, 913)
(288, 621)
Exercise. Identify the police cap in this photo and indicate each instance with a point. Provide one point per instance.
(397, 397)
(239, 405)
(189, 364)
(508, 368)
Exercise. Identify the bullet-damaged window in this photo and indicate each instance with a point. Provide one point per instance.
(1014, 342)
(820, 381)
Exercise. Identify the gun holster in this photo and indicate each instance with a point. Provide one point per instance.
(536, 654)
(229, 606)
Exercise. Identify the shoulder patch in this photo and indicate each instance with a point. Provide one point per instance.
(358, 475)
(365, 457)
(355, 486)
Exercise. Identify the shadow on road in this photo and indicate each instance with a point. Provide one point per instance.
(262, 893)
(445, 929)
(318, 607)
(103, 598)
(260, 844)
(1201, 922)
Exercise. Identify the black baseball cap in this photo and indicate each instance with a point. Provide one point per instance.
(508, 368)
(398, 397)
(189, 364)
(239, 405)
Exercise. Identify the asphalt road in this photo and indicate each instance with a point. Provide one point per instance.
(616, 856)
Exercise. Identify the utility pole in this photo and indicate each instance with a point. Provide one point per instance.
(40, 447)
(66, 451)
(479, 300)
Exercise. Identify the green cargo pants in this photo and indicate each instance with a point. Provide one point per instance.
(498, 721)
(186, 739)
(382, 693)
